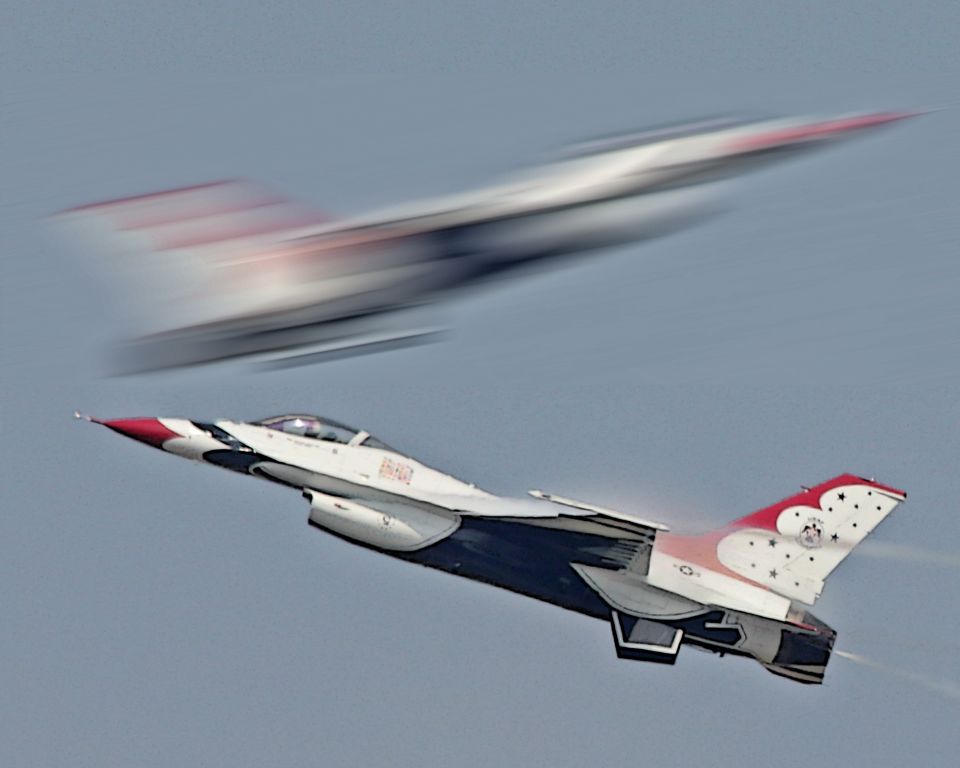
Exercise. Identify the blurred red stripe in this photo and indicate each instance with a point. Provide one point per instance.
(151, 195)
(148, 220)
(236, 232)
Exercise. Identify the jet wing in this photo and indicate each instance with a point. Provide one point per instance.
(602, 511)
(560, 512)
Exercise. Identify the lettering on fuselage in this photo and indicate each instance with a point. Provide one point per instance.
(396, 470)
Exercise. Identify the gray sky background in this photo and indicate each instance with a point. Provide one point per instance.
(160, 613)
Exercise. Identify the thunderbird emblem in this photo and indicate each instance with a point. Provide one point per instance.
(811, 535)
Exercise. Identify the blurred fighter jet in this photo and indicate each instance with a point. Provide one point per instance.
(227, 269)
(735, 590)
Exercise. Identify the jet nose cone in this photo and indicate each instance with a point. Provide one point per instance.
(149, 431)
(863, 122)
(814, 133)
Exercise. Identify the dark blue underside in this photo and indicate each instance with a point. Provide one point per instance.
(523, 558)
(535, 562)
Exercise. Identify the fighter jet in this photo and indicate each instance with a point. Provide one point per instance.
(741, 589)
(227, 269)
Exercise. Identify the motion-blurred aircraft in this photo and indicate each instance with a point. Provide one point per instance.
(736, 590)
(227, 269)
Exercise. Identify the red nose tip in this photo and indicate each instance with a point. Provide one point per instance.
(149, 431)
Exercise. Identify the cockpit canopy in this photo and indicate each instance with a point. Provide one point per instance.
(319, 428)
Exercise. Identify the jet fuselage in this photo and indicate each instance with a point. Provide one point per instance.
(586, 559)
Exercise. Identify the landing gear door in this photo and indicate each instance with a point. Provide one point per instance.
(644, 640)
